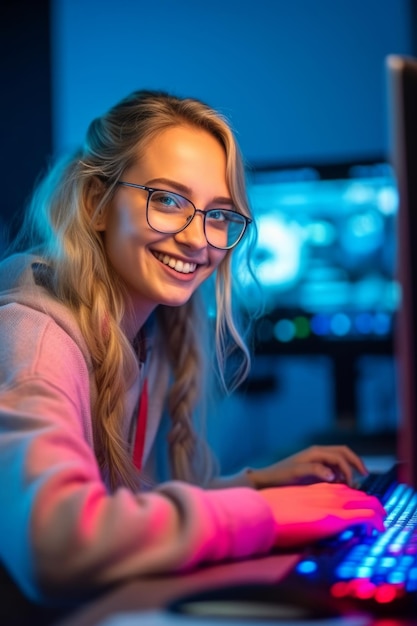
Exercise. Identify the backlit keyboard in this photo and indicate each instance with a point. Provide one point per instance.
(377, 571)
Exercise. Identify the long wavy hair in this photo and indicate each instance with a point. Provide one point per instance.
(61, 226)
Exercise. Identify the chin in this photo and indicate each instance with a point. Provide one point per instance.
(175, 302)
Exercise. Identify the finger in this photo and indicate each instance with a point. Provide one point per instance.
(347, 498)
(338, 458)
(351, 457)
(370, 501)
(369, 517)
(334, 460)
(355, 499)
(316, 470)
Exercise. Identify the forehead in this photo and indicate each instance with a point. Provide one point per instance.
(184, 152)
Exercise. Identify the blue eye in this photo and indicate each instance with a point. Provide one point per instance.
(164, 199)
(217, 215)
(169, 202)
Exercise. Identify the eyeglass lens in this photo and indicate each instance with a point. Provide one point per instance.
(170, 213)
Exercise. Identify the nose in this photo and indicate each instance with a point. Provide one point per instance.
(193, 234)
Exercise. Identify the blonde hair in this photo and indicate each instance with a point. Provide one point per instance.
(71, 198)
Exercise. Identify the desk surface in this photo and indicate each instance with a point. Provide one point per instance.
(142, 595)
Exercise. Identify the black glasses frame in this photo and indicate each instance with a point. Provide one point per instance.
(150, 190)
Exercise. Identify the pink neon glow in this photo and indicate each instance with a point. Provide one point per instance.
(365, 589)
(385, 594)
(339, 589)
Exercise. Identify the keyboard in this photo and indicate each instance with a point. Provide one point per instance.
(375, 572)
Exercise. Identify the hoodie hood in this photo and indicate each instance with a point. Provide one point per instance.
(24, 279)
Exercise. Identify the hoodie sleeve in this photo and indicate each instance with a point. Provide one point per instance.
(62, 532)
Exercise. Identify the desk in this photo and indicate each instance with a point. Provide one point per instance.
(146, 594)
(143, 594)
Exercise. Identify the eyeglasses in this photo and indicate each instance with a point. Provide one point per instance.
(170, 213)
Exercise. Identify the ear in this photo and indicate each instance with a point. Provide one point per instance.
(94, 195)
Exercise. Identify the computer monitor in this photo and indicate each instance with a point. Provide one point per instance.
(325, 259)
(325, 255)
(402, 100)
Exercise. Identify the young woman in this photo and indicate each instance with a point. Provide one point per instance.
(108, 358)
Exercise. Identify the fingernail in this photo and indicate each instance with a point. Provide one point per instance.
(329, 476)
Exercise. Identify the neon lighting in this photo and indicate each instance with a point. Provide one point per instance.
(320, 324)
(306, 567)
(340, 324)
(364, 572)
(396, 577)
(345, 571)
(406, 561)
(385, 594)
(347, 534)
(302, 327)
(411, 585)
(388, 200)
(284, 330)
(386, 569)
(365, 589)
(382, 324)
(364, 323)
(278, 251)
(412, 574)
(377, 549)
(339, 589)
(388, 561)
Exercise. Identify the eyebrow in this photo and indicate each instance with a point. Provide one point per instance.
(183, 189)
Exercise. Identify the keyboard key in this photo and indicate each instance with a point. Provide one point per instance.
(379, 568)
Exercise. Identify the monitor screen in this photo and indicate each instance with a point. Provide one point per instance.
(325, 256)
(402, 99)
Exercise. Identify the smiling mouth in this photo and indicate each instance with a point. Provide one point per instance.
(176, 264)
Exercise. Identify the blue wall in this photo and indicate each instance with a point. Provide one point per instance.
(300, 80)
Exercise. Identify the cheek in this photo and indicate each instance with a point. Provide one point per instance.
(126, 224)
(216, 257)
(123, 226)
(119, 235)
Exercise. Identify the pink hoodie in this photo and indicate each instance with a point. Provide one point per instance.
(63, 532)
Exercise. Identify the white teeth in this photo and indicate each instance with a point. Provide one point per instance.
(176, 264)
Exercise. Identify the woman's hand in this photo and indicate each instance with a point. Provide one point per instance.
(315, 464)
(305, 514)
